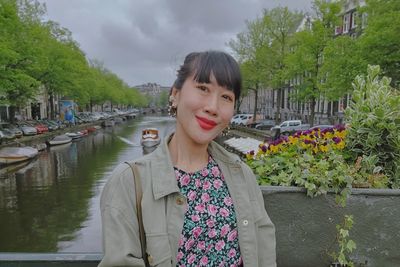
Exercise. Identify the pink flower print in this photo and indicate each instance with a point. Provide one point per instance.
(185, 179)
(240, 260)
(225, 230)
(205, 197)
(212, 233)
(200, 208)
(206, 185)
(196, 232)
(232, 253)
(220, 245)
(191, 258)
(209, 247)
(182, 240)
(212, 209)
(192, 195)
(204, 261)
(222, 264)
(201, 245)
(195, 218)
(232, 235)
(204, 172)
(210, 223)
(189, 244)
(215, 171)
(177, 174)
(197, 183)
(179, 256)
(224, 212)
(228, 201)
(222, 177)
(217, 183)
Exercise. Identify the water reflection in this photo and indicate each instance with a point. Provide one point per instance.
(51, 204)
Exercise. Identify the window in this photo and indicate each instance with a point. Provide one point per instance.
(354, 17)
(364, 20)
(338, 30)
(346, 23)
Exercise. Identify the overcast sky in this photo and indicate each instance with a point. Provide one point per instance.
(146, 40)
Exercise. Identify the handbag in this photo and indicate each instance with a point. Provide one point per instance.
(139, 194)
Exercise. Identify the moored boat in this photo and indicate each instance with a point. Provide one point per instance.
(10, 155)
(74, 135)
(150, 137)
(59, 140)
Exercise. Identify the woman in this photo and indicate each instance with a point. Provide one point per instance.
(201, 205)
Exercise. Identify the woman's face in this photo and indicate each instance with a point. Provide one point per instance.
(203, 110)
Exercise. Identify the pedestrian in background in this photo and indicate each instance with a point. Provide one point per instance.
(201, 205)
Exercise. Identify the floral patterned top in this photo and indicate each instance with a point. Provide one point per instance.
(209, 236)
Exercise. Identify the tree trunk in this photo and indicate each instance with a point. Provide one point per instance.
(11, 112)
(312, 111)
(278, 107)
(255, 103)
(51, 101)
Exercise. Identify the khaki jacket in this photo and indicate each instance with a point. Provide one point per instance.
(163, 209)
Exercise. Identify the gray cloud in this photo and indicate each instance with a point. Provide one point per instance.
(146, 41)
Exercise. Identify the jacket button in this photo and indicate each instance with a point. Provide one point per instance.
(245, 222)
(150, 259)
(180, 200)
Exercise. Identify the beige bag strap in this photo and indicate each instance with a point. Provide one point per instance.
(139, 194)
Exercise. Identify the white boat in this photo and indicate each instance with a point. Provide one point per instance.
(150, 137)
(10, 155)
(59, 140)
(76, 135)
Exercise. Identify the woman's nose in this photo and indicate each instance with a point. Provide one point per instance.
(211, 105)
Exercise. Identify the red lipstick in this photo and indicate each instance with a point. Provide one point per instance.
(205, 123)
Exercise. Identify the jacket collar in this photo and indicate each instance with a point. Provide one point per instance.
(162, 170)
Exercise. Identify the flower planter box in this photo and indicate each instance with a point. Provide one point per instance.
(306, 227)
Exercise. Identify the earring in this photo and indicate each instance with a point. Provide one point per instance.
(172, 106)
(226, 131)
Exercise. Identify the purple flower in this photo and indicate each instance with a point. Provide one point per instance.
(336, 139)
(264, 148)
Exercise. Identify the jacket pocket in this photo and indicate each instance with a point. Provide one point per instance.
(158, 249)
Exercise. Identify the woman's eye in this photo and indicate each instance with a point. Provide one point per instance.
(202, 88)
(228, 97)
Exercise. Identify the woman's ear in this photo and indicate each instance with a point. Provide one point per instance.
(174, 95)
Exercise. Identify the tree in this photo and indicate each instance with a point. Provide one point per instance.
(380, 40)
(307, 58)
(21, 60)
(262, 49)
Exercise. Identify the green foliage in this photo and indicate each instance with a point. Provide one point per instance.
(35, 53)
(318, 175)
(346, 245)
(380, 40)
(374, 118)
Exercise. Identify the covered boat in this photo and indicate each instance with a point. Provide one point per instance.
(59, 140)
(150, 137)
(10, 155)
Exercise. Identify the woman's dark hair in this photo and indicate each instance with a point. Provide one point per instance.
(202, 64)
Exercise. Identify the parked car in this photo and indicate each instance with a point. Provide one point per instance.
(50, 126)
(241, 119)
(40, 128)
(291, 126)
(12, 128)
(6, 135)
(26, 128)
(265, 125)
(322, 127)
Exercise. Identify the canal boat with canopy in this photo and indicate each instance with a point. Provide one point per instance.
(150, 137)
(9, 155)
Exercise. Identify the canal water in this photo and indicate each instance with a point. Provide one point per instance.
(51, 204)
